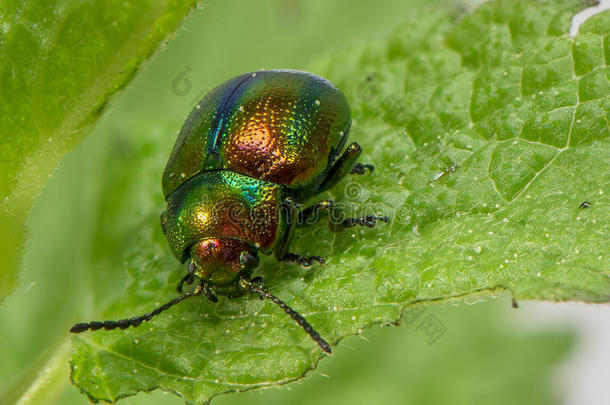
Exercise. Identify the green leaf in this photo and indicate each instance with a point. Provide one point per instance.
(60, 64)
(486, 139)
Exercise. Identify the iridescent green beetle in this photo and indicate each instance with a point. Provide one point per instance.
(251, 152)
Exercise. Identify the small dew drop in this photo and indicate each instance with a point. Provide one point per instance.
(469, 257)
(136, 341)
(317, 102)
(478, 249)
(546, 235)
(538, 274)
(515, 255)
(353, 318)
(497, 205)
(576, 251)
(490, 233)
(600, 192)
(505, 220)
(254, 74)
(197, 107)
(470, 231)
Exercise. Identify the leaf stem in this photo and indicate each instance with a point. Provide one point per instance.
(51, 380)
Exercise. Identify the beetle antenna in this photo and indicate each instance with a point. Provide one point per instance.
(256, 286)
(136, 320)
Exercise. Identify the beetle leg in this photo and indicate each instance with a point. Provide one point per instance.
(309, 215)
(207, 291)
(289, 207)
(303, 261)
(342, 167)
(188, 279)
(360, 168)
(368, 220)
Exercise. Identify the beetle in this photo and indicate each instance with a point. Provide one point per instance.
(249, 155)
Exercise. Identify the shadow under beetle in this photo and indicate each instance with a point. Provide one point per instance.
(252, 150)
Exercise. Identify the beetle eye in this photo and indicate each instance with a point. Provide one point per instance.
(192, 267)
(248, 260)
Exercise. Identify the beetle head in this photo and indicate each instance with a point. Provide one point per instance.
(220, 262)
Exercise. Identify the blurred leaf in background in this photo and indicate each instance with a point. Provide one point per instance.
(98, 222)
(60, 63)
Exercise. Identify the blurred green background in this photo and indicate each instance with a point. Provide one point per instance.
(482, 357)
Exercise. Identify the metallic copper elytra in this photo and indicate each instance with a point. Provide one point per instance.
(285, 127)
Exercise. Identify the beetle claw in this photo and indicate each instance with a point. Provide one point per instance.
(303, 261)
(369, 221)
(360, 168)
